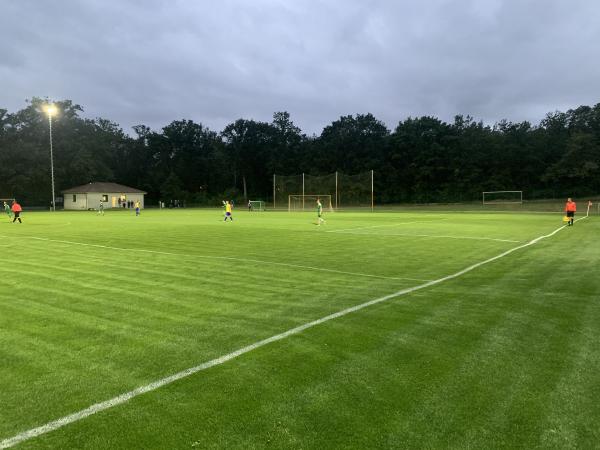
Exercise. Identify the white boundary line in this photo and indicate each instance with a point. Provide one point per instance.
(430, 236)
(386, 225)
(125, 397)
(222, 258)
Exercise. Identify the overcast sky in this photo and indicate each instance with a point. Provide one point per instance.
(153, 61)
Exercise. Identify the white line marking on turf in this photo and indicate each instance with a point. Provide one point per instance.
(381, 226)
(125, 397)
(430, 236)
(222, 258)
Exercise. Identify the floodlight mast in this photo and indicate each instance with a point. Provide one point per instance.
(51, 110)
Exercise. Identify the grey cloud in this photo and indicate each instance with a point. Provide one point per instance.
(155, 61)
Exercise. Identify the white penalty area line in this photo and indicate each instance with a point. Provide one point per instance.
(476, 238)
(222, 258)
(125, 397)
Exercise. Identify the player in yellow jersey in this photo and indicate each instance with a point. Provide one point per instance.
(228, 210)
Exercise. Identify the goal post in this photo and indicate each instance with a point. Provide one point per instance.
(256, 205)
(307, 202)
(502, 197)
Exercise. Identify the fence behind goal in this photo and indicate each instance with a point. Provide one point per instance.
(345, 190)
(309, 202)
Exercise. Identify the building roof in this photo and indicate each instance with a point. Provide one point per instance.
(103, 188)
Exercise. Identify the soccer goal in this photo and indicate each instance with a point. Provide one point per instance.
(256, 205)
(309, 202)
(500, 197)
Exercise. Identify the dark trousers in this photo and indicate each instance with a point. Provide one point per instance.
(17, 214)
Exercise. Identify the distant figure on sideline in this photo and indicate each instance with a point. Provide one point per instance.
(249, 205)
(7, 210)
(101, 208)
(16, 209)
(570, 209)
(137, 208)
(228, 210)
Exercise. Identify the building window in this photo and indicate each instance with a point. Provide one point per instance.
(74, 198)
(104, 198)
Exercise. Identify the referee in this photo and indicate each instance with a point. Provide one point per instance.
(16, 209)
(570, 209)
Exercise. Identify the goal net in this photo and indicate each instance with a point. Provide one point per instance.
(309, 202)
(500, 197)
(256, 205)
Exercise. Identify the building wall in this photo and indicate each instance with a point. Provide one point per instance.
(91, 200)
(113, 200)
(80, 202)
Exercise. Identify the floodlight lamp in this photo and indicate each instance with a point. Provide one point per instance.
(50, 109)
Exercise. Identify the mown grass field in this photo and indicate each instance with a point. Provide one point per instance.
(504, 356)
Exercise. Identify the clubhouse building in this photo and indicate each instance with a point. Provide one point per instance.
(113, 195)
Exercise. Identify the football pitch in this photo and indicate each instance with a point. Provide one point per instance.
(413, 329)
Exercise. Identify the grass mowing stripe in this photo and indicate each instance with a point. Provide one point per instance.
(381, 226)
(430, 236)
(175, 270)
(223, 258)
(125, 397)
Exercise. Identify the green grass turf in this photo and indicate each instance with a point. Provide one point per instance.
(506, 356)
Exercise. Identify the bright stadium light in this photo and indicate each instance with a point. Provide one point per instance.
(51, 111)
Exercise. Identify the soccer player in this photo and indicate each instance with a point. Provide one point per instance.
(570, 209)
(16, 209)
(101, 208)
(320, 219)
(249, 205)
(7, 210)
(137, 208)
(228, 209)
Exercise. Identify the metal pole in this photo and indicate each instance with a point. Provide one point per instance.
(372, 192)
(302, 191)
(52, 163)
(336, 190)
(274, 190)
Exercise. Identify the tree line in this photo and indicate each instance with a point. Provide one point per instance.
(423, 159)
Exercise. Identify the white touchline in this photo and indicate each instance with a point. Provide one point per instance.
(386, 225)
(125, 397)
(222, 258)
(430, 236)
